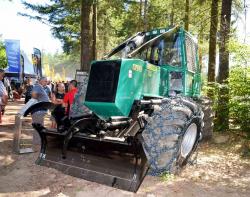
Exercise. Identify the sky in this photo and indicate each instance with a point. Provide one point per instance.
(31, 33)
(243, 24)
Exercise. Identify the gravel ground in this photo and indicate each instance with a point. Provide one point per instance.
(220, 171)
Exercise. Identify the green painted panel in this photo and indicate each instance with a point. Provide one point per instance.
(130, 84)
(104, 110)
(152, 78)
(163, 91)
(129, 89)
(197, 85)
(189, 83)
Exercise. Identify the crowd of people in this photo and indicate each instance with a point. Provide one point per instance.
(60, 93)
(44, 91)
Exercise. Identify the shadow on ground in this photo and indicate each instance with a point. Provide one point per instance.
(220, 171)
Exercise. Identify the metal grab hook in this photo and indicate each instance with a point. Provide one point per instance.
(39, 128)
(137, 157)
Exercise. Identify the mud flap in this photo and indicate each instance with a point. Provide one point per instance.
(119, 165)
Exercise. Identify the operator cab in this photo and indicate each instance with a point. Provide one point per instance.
(174, 51)
(163, 52)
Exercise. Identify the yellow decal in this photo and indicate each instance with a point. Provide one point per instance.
(152, 67)
(136, 67)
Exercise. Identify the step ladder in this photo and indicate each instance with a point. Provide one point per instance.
(17, 142)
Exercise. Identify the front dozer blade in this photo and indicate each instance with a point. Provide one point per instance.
(117, 165)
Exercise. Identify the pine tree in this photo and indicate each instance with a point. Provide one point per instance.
(223, 100)
(86, 55)
(213, 40)
(187, 13)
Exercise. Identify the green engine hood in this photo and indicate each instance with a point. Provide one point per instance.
(114, 85)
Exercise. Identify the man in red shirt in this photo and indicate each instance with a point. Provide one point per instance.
(69, 97)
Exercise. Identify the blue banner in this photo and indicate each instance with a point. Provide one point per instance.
(13, 55)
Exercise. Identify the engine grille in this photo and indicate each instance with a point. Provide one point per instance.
(103, 81)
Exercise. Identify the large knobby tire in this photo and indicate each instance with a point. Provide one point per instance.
(208, 119)
(165, 140)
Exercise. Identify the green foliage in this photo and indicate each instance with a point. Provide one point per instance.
(117, 19)
(3, 58)
(166, 177)
(61, 60)
(238, 85)
(239, 81)
(240, 53)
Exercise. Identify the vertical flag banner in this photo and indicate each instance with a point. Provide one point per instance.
(22, 68)
(36, 58)
(13, 55)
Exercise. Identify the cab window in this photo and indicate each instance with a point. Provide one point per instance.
(190, 51)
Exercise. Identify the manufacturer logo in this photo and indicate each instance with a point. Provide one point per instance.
(152, 67)
(137, 68)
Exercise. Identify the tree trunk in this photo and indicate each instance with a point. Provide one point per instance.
(223, 100)
(94, 27)
(201, 41)
(105, 36)
(85, 35)
(212, 41)
(187, 12)
(145, 21)
(140, 17)
(172, 15)
(224, 39)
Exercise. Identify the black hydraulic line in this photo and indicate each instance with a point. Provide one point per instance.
(191, 105)
(118, 123)
(71, 132)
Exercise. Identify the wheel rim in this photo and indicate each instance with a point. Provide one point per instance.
(188, 140)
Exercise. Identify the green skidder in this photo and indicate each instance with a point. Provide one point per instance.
(144, 112)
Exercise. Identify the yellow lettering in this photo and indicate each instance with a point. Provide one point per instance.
(136, 67)
(152, 67)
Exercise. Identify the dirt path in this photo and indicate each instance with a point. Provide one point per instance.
(220, 171)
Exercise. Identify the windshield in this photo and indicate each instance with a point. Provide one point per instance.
(164, 51)
(127, 47)
(158, 49)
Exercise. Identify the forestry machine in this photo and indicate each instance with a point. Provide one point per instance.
(139, 111)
